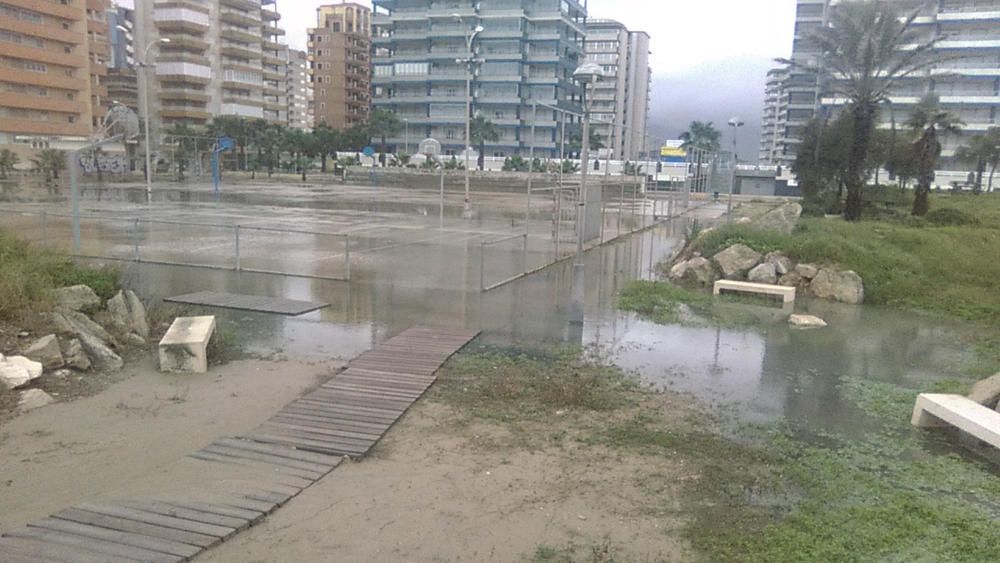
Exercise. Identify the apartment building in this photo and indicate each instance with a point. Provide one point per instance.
(772, 127)
(223, 58)
(525, 55)
(300, 91)
(121, 80)
(967, 80)
(619, 105)
(340, 59)
(51, 65)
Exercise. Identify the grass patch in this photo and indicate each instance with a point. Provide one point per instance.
(666, 303)
(29, 274)
(712, 242)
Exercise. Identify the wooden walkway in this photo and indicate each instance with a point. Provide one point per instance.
(255, 303)
(298, 446)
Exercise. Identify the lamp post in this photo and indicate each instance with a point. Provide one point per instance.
(145, 111)
(470, 36)
(735, 123)
(406, 135)
(587, 74)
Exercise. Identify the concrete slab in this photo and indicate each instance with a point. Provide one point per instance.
(934, 410)
(787, 294)
(184, 348)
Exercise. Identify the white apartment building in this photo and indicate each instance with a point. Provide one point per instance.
(224, 57)
(620, 103)
(772, 126)
(300, 91)
(967, 80)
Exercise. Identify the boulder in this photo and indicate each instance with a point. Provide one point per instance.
(34, 399)
(118, 311)
(736, 261)
(987, 391)
(75, 357)
(76, 297)
(75, 323)
(806, 321)
(763, 273)
(700, 271)
(846, 287)
(137, 314)
(128, 315)
(807, 271)
(678, 271)
(791, 279)
(16, 371)
(782, 263)
(46, 351)
(781, 219)
(100, 353)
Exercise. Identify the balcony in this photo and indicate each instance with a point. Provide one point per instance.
(181, 19)
(238, 17)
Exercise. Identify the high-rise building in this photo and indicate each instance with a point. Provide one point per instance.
(300, 91)
(52, 57)
(524, 57)
(121, 80)
(223, 58)
(772, 126)
(967, 79)
(620, 103)
(339, 53)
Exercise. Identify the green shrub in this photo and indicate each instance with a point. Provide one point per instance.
(951, 217)
(761, 240)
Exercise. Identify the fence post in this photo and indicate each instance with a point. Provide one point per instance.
(238, 265)
(347, 254)
(135, 238)
(524, 253)
(45, 228)
(482, 266)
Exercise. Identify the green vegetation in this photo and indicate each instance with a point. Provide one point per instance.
(29, 274)
(666, 303)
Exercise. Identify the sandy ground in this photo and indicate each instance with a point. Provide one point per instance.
(434, 491)
(131, 438)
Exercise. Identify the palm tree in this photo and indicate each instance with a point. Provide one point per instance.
(862, 58)
(930, 122)
(50, 162)
(383, 124)
(980, 150)
(8, 159)
(575, 141)
(483, 131)
(702, 135)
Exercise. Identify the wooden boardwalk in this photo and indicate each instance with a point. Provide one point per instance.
(255, 303)
(298, 446)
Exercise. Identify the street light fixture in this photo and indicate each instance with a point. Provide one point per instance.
(146, 114)
(587, 74)
(735, 123)
(470, 36)
(406, 135)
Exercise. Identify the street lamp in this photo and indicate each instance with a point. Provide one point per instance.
(587, 74)
(145, 111)
(470, 36)
(735, 123)
(406, 135)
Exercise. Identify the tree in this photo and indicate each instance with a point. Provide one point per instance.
(929, 121)
(821, 160)
(50, 162)
(483, 131)
(575, 140)
(183, 137)
(862, 57)
(8, 159)
(238, 129)
(327, 141)
(702, 135)
(381, 125)
(981, 150)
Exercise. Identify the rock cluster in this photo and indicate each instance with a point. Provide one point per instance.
(79, 343)
(987, 392)
(742, 263)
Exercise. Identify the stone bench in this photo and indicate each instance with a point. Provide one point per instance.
(184, 349)
(787, 294)
(933, 410)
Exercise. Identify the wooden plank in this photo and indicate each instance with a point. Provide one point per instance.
(290, 453)
(332, 431)
(327, 421)
(313, 444)
(251, 516)
(159, 519)
(360, 399)
(295, 432)
(110, 548)
(378, 390)
(280, 472)
(164, 509)
(251, 455)
(267, 497)
(125, 525)
(251, 504)
(334, 406)
(33, 550)
(155, 545)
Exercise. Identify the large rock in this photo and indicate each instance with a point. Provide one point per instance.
(782, 263)
(46, 351)
(16, 371)
(75, 357)
(763, 273)
(76, 297)
(100, 353)
(846, 287)
(781, 219)
(34, 399)
(696, 270)
(987, 391)
(791, 279)
(736, 261)
(129, 315)
(806, 321)
(807, 271)
(75, 323)
(137, 314)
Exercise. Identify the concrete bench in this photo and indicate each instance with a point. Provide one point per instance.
(932, 410)
(184, 349)
(787, 294)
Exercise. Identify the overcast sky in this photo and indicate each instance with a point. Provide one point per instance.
(709, 57)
